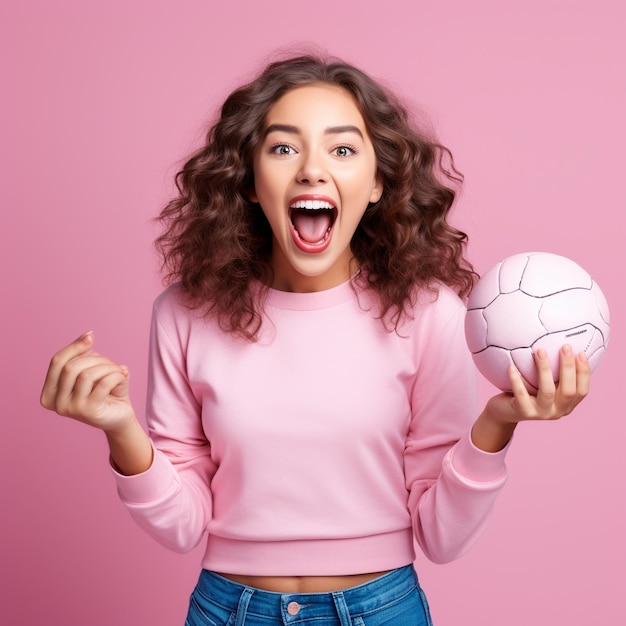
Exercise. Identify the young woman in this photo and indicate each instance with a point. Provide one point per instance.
(311, 404)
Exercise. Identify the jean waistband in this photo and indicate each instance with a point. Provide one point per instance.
(369, 596)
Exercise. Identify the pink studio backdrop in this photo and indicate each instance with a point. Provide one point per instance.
(101, 102)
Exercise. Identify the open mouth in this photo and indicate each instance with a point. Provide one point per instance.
(312, 223)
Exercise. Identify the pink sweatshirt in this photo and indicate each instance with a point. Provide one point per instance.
(324, 448)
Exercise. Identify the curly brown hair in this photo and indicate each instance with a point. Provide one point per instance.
(217, 243)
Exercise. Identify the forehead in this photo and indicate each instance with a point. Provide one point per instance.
(318, 103)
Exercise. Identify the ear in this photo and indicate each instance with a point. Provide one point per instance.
(377, 190)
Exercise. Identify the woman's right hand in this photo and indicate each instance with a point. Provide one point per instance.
(88, 387)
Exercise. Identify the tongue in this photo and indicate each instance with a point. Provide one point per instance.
(311, 225)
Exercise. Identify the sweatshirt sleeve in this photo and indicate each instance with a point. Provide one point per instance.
(172, 499)
(452, 484)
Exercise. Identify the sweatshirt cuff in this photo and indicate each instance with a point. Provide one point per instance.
(148, 486)
(477, 465)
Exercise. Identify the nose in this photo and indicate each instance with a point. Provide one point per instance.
(312, 170)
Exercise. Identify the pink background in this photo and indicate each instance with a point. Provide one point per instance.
(102, 100)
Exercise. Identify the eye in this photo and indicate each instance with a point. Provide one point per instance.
(282, 149)
(344, 151)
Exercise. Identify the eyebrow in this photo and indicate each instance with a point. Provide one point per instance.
(331, 130)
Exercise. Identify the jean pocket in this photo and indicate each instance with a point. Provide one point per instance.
(204, 612)
(411, 610)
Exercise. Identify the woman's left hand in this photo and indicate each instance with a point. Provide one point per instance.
(553, 400)
(503, 412)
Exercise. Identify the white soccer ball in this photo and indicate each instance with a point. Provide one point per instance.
(529, 301)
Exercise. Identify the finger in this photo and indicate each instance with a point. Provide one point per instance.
(567, 374)
(89, 379)
(81, 371)
(76, 348)
(574, 381)
(523, 401)
(547, 387)
(106, 402)
(583, 374)
(113, 385)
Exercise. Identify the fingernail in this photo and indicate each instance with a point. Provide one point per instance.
(85, 336)
(567, 349)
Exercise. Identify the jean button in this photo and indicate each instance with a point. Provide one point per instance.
(293, 608)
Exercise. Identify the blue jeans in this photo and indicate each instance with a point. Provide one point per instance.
(394, 599)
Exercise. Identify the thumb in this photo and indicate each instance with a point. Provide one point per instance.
(84, 343)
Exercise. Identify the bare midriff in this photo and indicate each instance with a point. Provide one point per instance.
(302, 584)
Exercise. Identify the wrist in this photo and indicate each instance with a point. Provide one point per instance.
(121, 428)
(130, 447)
(491, 434)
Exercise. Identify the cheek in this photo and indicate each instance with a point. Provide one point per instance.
(262, 188)
(363, 179)
(353, 216)
(267, 183)
(272, 209)
(260, 177)
(361, 192)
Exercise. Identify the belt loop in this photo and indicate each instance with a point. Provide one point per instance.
(342, 609)
(242, 606)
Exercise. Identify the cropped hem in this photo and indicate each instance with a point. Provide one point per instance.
(151, 485)
(310, 557)
(476, 465)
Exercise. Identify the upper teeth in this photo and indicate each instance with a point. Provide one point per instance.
(311, 204)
